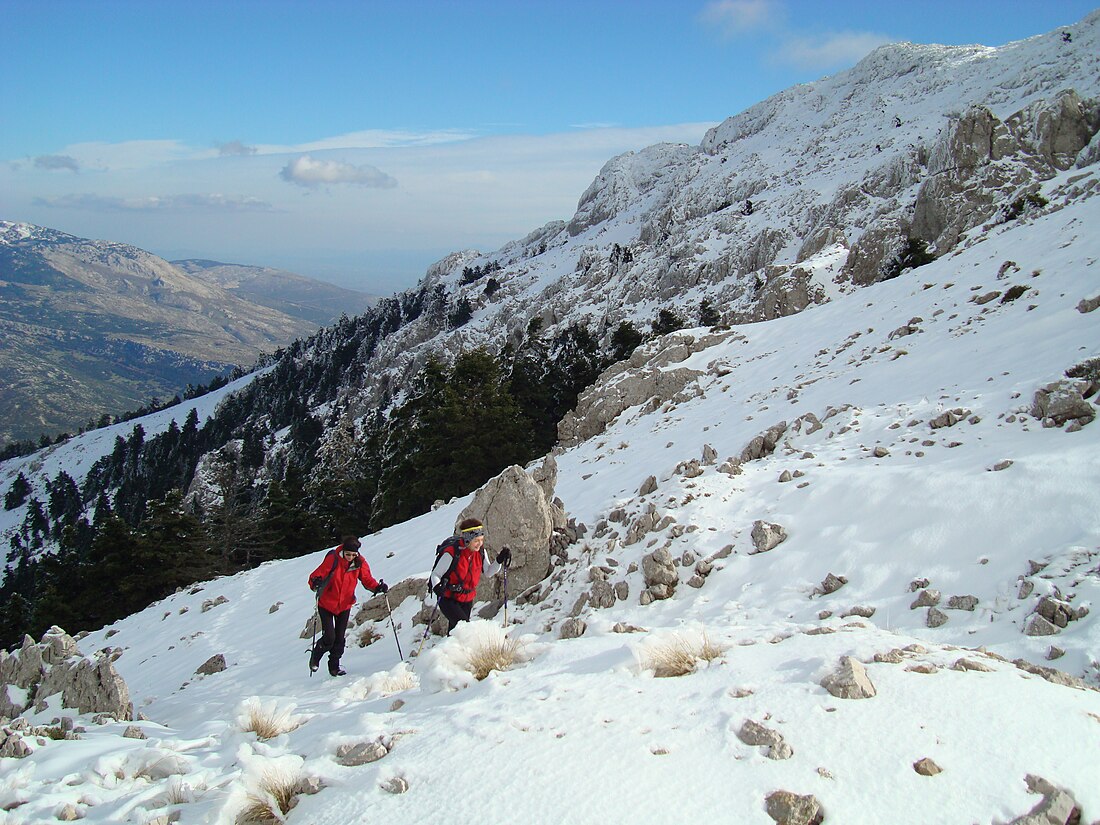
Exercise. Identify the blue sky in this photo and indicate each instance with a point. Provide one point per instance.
(361, 141)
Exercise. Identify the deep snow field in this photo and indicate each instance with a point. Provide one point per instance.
(581, 730)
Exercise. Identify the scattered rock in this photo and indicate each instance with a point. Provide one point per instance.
(1062, 401)
(971, 664)
(1002, 465)
(849, 680)
(1038, 626)
(926, 598)
(767, 536)
(134, 732)
(926, 767)
(1058, 806)
(395, 785)
(648, 486)
(788, 808)
(830, 584)
(917, 584)
(881, 452)
(753, 733)
(962, 603)
(1057, 612)
(935, 617)
(69, 813)
(572, 628)
(1088, 304)
(210, 604)
(215, 664)
(360, 753)
(863, 611)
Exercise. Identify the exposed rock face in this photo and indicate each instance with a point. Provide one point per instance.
(55, 665)
(516, 514)
(1062, 401)
(374, 609)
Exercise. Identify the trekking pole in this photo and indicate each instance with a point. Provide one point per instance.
(313, 644)
(389, 612)
(427, 629)
(505, 596)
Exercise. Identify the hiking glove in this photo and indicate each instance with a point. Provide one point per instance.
(504, 557)
(382, 587)
(315, 582)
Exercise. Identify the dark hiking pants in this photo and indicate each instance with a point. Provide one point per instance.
(333, 628)
(455, 612)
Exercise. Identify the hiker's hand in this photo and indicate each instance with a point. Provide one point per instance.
(382, 587)
(315, 582)
(504, 557)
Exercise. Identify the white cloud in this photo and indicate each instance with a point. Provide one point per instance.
(736, 17)
(308, 171)
(235, 147)
(830, 50)
(57, 162)
(165, 203)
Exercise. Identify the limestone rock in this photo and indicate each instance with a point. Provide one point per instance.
(215, 664)
(1062, 401)
(926, 598)
(926, 767)
(1055, 611)
(572, 628)
(935, 617)
(658, 568)
(849, 680)
(395, 785)
(767, 536)
(516, 514)
(962, 603)
(764, 444)
(360, 753)
(754, 733)
(648, 486)
(788, 808)
(1038, 626)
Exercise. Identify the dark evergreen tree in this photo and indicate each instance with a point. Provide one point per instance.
(624, 340)
(667, 321)
(17, 493)
(708, 315)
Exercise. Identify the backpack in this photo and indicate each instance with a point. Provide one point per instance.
(444, 584)
(320, 588)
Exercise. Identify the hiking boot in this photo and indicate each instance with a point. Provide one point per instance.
(337, 671)
(314, 662)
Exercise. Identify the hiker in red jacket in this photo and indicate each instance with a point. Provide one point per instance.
(334, 583)
(462, 561)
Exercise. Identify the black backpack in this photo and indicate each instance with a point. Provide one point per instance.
(444, 586)
(320, 588)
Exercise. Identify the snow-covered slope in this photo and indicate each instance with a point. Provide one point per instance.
(580, 729)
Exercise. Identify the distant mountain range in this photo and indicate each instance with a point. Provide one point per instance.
(91, 327)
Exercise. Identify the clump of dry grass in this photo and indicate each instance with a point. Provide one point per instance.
(266, 719)
(492, 654)
(274, 797)
(678, 654)
(368, 636)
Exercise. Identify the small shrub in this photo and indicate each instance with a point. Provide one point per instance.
(275, 796)
(1024, 204)
(678, 654)
(492, 654)
(266, 719)
(915, 253)
(1089, 370)
(368, 636)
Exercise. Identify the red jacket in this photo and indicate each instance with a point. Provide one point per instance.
(466, 574)
(339, 593)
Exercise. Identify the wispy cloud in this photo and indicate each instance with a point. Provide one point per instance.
(57, 162)
(736, 17)
(164, 203)
(829, 50)
(309, 172)
(235, 147)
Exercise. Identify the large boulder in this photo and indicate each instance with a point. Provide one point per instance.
(516, 514)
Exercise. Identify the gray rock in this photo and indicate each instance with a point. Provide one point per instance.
(658, 568)
(313, 626)
(360, 753)
(69, 813)
(1058, 807)
(1026, 588)
(935, 617)
(789, 808)
(215, 664)
(863, 611)
(926, 767)
(753, 733)
(210, 604)
(1055, 611)
(648, 486)
(849, 680)
(134, 732)
(395, 785)
(764, 444)
(767, 536)
(926, 598)
(516, 514)
(962, 603)
(917, 584)
(1038, 626)
(13, 746)
(1062, 401)
(572, 628)
(1088, 304)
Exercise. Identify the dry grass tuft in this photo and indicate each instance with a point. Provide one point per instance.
(488, 655)
(266, 719)
(272, 801)
(368, 636)
(678, 655)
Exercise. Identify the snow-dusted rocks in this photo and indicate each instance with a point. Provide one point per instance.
(660, 574)
(788, 808)
(1062, 401)
(849, 680)
(767, 536)
(351, 754)
(754, 733)
(35, 672)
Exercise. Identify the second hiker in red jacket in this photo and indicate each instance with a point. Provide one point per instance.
(334, 582)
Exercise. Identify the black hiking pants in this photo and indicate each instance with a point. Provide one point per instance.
(333, 628)
(455, 612)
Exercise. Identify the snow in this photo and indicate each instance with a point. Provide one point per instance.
(582, 730)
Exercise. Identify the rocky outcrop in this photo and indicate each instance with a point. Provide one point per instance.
(1063, 401)
(56, 666)
(516, 514)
